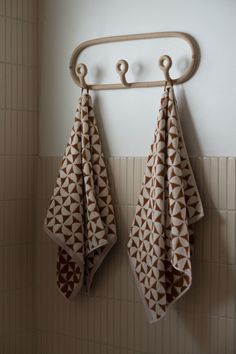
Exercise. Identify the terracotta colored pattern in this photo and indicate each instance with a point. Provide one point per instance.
(169, 202)
(80, 217)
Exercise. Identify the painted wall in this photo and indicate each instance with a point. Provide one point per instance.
(127, 118)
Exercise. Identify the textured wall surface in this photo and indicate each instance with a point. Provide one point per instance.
(112, 319)
(18, 149)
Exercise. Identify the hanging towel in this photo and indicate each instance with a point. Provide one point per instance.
(80, 217)
(168, 204)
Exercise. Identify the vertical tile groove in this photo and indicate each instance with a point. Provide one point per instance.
(17, 152)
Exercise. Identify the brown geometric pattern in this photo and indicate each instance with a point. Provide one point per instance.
(80, 217)
(169, 202)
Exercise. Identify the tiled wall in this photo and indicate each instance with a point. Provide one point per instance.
(112, 320)
(18, 150)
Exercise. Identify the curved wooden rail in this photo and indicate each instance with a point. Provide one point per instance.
(79, 71)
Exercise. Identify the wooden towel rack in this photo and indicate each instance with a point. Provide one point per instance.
(79, 71)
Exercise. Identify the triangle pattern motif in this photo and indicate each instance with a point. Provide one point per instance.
(160, 238)
(80, 217)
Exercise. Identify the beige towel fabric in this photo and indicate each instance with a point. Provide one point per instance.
(168, 204)
(80, 217)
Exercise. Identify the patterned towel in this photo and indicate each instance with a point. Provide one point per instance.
(169, 202)
(80, 217)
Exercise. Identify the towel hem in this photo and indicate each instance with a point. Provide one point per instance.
(72, 254)
(106, 250)
(108, 245)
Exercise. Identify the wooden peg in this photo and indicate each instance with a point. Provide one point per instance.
(165, 64)
(81, 71)
(122, 67)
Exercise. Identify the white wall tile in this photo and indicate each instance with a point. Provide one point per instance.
(2, 37)
(231, 183)
(3, 93)
(222, 183)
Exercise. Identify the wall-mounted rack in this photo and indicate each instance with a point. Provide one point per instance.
(79, 71)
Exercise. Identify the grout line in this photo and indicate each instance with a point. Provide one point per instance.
(16, 244)
(18, 65)
(7, 156)
(18, 19)
(23, 110)
(133, 205)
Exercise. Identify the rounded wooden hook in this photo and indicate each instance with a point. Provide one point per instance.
(81, 72)
(165, 64)
(122, 67)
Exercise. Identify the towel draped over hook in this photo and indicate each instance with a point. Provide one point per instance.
(80, 217)
(168, 204)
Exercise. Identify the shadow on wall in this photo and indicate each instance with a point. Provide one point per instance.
(187, 123)
(208, 307)
(210, 295)
(102, 132)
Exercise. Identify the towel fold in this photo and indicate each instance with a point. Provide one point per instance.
(169, 202)
(80, 217)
